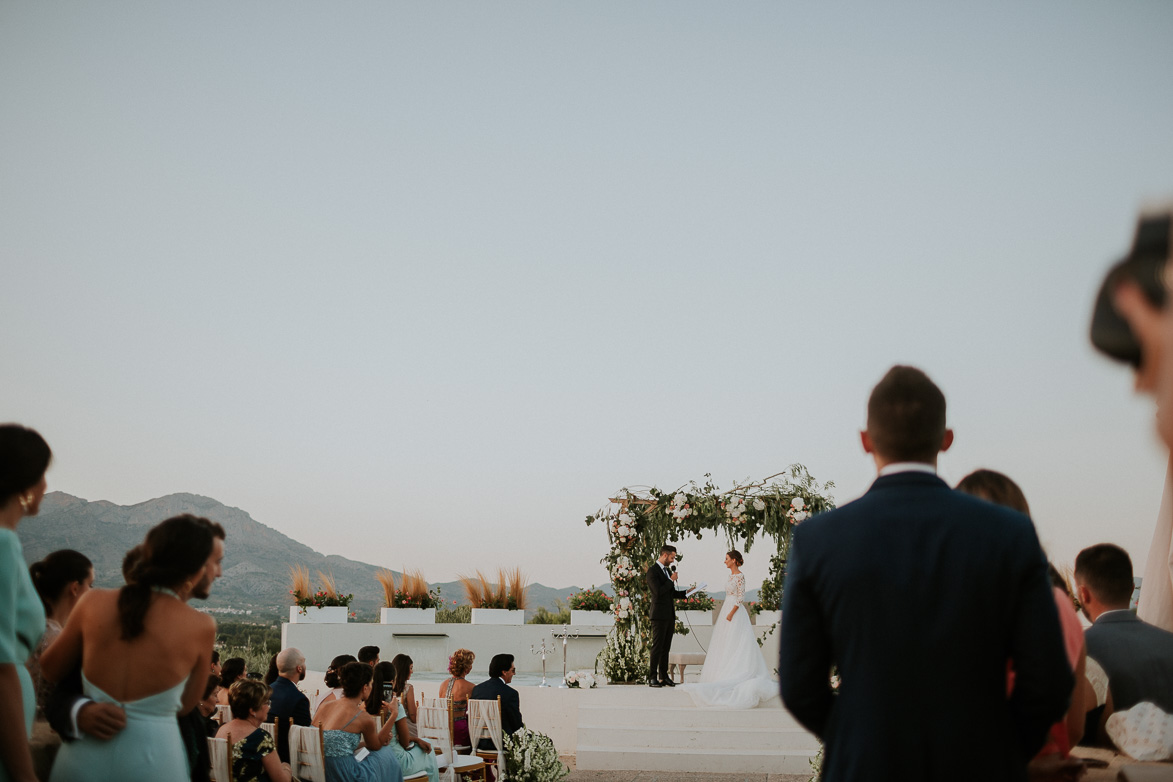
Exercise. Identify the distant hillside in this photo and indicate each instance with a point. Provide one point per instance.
(256, 563)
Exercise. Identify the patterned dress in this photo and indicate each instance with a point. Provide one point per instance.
(248, 755)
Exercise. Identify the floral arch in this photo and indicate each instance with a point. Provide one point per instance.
(639, 521)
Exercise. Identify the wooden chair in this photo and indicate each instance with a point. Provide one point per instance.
(220, 754)
(223, 714)
(484, 721)
(307, 754)
(434, 727)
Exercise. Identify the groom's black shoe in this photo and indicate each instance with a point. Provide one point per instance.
(667, 683)
(654, 683)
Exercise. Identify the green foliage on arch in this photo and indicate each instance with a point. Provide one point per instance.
(639, 521)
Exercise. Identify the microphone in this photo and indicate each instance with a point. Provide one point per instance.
(672, 568)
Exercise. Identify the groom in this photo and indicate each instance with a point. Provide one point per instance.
(662, 586)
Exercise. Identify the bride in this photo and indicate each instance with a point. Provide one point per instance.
(734, 675)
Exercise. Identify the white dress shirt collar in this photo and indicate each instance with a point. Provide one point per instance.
(895, 467)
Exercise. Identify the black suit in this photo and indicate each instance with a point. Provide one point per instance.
(285, 702)
(510, 707)
(920, 595)
(663, 615)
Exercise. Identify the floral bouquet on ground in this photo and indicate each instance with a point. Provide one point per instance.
(412, 592)
(581, 680)
(590, 600)
(531, 757)
(697, 601)
(304, 597)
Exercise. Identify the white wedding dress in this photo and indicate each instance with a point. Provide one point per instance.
(734, 675)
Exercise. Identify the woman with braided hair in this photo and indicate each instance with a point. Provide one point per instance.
(143, 649)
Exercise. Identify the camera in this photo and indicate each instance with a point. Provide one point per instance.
(1145, 267)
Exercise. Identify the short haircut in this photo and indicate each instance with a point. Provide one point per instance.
(994, 487)
(247, 696)
(906, 416)
(499, 665)
(289, 659)
(368, 654)
(665, 549)
(460, 663)
(353, 677)
(1106, 570)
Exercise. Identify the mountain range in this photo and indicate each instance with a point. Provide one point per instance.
(256, 562)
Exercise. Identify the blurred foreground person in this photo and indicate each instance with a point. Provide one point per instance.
(24, 457)
(919, 595)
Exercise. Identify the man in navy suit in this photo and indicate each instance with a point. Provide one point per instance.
(661, 578)
(501, 670)
(287, 701)
(920, 596)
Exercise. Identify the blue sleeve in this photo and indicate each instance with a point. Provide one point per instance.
(10, 561)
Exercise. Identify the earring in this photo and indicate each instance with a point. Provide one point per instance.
(25, 502)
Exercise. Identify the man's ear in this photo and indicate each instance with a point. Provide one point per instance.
(947, 440)
(866, 441)
(1084, 594)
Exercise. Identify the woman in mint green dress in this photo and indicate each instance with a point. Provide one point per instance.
(24, 457)
(141, 648)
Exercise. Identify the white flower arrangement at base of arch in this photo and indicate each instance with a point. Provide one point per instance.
(581, 679)
(639, 522)
(531, 757)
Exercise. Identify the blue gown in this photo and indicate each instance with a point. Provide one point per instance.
(341, 766)
(148, 749)
(22, 622)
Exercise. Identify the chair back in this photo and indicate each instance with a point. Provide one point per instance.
(307, 754)
(220, 755)
(433, 727)
(484, 721)
(223, 713)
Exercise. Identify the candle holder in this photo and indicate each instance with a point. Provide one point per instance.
(565, 635)
(544, 652)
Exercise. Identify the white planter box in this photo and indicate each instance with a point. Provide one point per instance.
(497, 616)
(592, 618)
(323, 615)
(407, 616)
(695, 618)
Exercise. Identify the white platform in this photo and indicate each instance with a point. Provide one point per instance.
(661, 730)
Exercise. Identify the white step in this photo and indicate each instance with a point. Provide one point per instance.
(663, 736)
(684, 716)
(713, 760)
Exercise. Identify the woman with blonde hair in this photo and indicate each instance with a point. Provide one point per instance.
(457, 689)
(254, 755)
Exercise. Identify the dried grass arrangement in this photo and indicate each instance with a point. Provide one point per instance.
(412, 591)
(303, 593)
(509, 591)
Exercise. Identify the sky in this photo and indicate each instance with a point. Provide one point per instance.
(424, 284)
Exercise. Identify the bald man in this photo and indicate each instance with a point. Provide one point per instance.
(287, 701)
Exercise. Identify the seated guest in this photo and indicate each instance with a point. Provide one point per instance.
(233, 670)
(332, 681)
(288, 702)
(60, 579)
(501, 670)
(404, 668)
(457, 689)
(1136, 656)
(271, 674)
(195, 727)
(254, 757)
(369, 655)
(344, 723)
(215, 663)
(382, 688)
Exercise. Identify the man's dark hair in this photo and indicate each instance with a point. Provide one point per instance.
(906, 416)
(1106, 570)
(666, 549)
(368, 654)
(499, 665)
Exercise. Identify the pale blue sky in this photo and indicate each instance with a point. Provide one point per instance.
(423, 284)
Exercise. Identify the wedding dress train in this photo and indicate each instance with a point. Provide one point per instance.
(734, 675)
